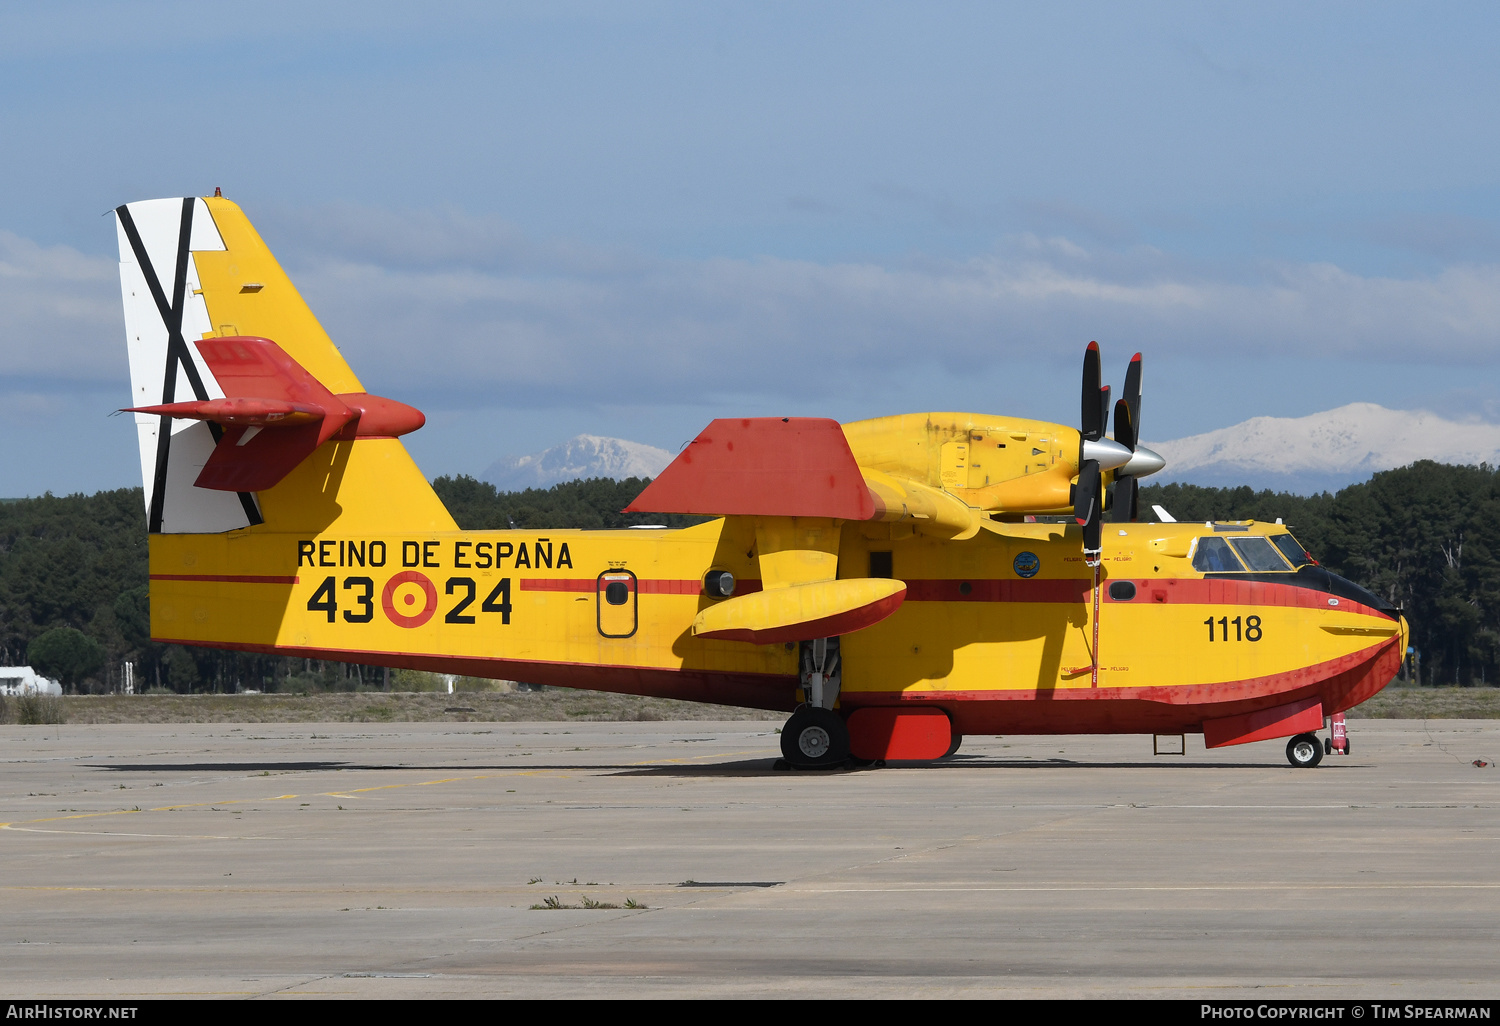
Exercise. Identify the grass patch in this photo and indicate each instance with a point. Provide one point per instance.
(554, 704)
(33, 709)
(586, 902)
(1405, 703)
(558, 704)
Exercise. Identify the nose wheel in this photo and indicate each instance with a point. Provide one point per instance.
(1304, 750)
(815, 739)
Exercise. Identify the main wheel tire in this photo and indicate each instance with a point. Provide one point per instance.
(815, 739)
(958, 739)
(1304, 750)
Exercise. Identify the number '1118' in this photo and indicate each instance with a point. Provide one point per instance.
(1249, 631)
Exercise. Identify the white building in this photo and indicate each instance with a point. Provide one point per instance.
(17, 680)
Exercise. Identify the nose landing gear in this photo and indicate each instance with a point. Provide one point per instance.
(1307, 750)
(1304, 750)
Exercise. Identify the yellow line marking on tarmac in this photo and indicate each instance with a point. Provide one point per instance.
(58, 819)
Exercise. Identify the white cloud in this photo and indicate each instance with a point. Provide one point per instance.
(516, 317)
(57, 308)
(444, 303)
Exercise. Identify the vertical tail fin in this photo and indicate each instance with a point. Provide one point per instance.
(193, 269)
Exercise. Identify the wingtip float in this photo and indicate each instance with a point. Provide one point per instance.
(884, 581)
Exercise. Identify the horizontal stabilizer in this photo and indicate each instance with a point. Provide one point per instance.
(763, 466)
(246, 367)
(275, 414)
(802, 612)
(260, 412)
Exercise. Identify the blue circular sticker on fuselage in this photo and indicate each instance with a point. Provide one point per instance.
(1026, 564)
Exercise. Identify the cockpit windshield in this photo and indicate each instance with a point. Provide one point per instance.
(1255, 553)
(1292, 549)
(1213, 555)
(1259, 555)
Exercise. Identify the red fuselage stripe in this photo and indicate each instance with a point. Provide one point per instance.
(1071, 590)
(663, 586)
(1052, 590)
(226, 578)
(1171, 590)
(1148, 591)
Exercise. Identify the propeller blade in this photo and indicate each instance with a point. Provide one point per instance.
(1103, 410)
(1125, 432)
(1086, 495)
(1126, 505)
(1132, 395)
(1088, 509)
(1092, 426)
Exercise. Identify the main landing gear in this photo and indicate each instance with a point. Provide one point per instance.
(815, 739)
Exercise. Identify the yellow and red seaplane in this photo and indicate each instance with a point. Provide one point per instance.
(893, 584)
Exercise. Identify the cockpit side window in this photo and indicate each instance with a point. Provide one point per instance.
(1212, 555)
(1292, 549)
(1259, 554)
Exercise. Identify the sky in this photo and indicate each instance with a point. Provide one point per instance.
(535, 220)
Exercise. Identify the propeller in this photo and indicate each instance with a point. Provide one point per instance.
(1096, 454)
(1126, 505)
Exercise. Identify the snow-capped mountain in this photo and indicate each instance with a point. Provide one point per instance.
(1322, 451)
(580, 457)
(1326, 450)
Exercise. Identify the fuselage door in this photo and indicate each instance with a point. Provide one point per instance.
(616, 591)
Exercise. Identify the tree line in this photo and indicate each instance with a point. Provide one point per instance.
(74, 597)
(1425, 537)
(74, 600)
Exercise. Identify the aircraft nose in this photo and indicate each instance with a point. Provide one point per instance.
(1143, 462)
(1109, 454)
